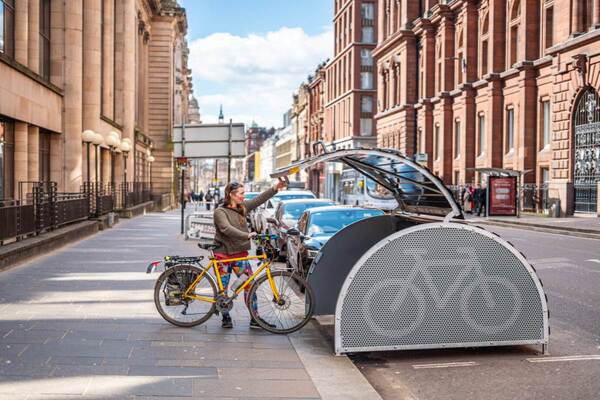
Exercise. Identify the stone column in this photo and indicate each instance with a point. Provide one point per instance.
(73, 96)
(108, 60)
(33, 149)
(21, 153)
(105, 165)
(596, 15)
(380, 21)
(34, 36)
(91, 64)
(21, 32)
(130, 75)
(575, 17)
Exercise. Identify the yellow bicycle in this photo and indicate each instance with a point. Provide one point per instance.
(280, 301)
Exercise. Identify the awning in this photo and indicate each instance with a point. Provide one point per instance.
(416, 189)
(500, 171)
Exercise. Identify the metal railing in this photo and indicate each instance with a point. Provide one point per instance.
(534, 198)
(41, 208)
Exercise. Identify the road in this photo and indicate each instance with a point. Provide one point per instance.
(569, 268)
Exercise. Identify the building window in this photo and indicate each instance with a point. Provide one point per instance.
(44, 156)
(7, 159)
(368, 35)
(545, 124)
(456, 139)
(481, 135)
(484, 45)
(456, 177)
(7, 27)
(366, 80)
(366, 59)
(419, 140)
(549, 27)
(45, 38)
(545, 175)
(514, 24)
(366, 104)
(437, 144)
(367, 11)
(484, 57)
(510, 130)
(366, 127)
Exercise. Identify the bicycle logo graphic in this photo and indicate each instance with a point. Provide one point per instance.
(407, 292)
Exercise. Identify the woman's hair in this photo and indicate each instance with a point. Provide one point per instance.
(227, 200)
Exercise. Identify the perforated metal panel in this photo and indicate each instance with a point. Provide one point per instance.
(440, 285)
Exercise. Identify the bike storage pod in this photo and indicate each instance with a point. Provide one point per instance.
(421, 278)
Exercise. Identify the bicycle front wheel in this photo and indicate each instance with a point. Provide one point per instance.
(291, 312)
(178, 309)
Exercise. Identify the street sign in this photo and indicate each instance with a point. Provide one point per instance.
(210, 141)
(182, 160)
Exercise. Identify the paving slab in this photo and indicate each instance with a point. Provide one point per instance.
(80, 323)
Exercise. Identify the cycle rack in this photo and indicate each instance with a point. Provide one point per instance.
(440, 285)
(407, 281)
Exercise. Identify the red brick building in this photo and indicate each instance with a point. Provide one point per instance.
(349, 76)
(316, 107)
(508, 84)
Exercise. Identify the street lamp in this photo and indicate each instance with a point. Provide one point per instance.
(112, 141)
(150, 160)
(125, 148)
(98, 140)
(88, 137)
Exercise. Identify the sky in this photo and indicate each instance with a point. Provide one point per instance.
(251, 55)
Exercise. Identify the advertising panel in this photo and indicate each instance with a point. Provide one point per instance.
(502, 196)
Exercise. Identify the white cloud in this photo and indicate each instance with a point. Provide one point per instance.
(254, 76)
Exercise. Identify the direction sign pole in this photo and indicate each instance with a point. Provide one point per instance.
(182, 167)
(229, 154)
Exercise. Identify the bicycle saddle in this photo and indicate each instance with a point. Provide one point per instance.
(208, 246)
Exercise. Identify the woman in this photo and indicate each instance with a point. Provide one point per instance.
(233, 236)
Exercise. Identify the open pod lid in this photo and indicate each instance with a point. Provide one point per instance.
(414, 187)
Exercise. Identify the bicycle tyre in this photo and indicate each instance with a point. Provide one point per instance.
(159, 291)
(262, 284)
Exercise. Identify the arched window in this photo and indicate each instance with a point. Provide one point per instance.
(459, 56)
(513, 31)
(484, 52)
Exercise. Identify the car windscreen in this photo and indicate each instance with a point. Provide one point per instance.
(250, 196)
(276, 199)
(329, 222)
(294, 211)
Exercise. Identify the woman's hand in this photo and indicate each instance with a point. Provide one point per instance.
(281, 183)
(252, 235)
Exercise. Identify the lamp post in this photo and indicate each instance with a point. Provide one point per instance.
(125, 147)
(113, 141)
(88, 137)
(98, 140)
(150, 161)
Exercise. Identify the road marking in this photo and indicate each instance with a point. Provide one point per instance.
(552, 263)
(445, 365)
(565, 358)
(594, 260)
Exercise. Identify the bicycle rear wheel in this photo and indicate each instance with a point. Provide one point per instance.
(294, 308)
(173, 306)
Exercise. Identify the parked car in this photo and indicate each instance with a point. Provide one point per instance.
(250, 196)
(268, 209)
(287, 213)
(315, 227)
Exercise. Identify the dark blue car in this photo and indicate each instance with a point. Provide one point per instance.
(315, 227)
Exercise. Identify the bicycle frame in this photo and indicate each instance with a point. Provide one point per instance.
(214, 264)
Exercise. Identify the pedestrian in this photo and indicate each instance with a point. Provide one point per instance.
(208, 198)
(233, 237)
(472, 195)
(201, 196)
(466, 200)
(481, 200)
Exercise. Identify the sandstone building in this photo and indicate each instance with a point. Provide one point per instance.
(100, 65)
(507, 84)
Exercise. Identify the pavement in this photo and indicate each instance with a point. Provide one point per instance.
(587, 226)
(80, 323)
